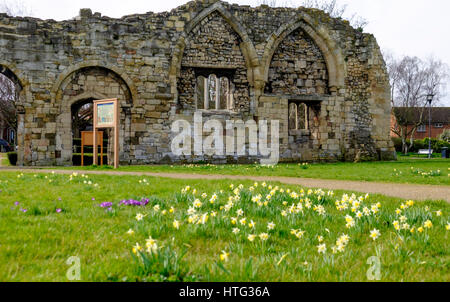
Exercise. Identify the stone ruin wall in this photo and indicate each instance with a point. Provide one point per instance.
(149, 60)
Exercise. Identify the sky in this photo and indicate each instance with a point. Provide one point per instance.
(404, 27)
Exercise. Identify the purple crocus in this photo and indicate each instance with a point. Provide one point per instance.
(16, 203)
(106, 205)
(24, 210)
(136, 203)
(58, 210)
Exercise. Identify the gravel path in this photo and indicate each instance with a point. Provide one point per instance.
(404, 191)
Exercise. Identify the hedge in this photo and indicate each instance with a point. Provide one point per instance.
(419, 144)
(12, 157)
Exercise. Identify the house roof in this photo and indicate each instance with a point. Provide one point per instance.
(412, 115)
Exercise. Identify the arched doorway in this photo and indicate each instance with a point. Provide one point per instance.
(75, 94)
(82, 120)
(10, 89)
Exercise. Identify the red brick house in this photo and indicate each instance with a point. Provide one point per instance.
(440, 120)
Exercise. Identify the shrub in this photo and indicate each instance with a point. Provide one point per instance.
(419, 144)
(397, 144)
(445, 136)
(436, 145)
(12, 157)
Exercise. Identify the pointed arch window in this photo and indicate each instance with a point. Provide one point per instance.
(214, 92)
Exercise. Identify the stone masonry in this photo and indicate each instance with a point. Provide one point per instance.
(273, 57)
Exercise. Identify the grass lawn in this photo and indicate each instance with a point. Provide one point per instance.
(4, 161)
(46, 218)
(406, 170)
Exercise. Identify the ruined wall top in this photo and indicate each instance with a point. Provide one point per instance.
(259, 22)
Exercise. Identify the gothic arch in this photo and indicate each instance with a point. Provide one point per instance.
(248, 49)
(330, 50)
(65, 96)
(91, 64)
(21, 81)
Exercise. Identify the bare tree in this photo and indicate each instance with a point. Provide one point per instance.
(392, 68)
(331, 7)
(15, 8)
(412, 80)
(8, 95)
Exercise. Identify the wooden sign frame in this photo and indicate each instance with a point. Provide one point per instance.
(87, 139)
(114, 115)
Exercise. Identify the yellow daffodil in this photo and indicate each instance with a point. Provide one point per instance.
(176, 224)
(252, 224)
(374, 234)
(322, 248)
(137, 248)
(264, 236)
(428, 224)
(224, 256)
(130, 232)
(251, 238)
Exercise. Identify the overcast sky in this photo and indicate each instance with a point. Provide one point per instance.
(405, 27)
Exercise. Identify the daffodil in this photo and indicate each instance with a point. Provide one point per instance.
(396, 225)
(447, 227)
(224, 256)
(197, 203)
(139, 217)
(252, 224)
(264, 236)
(130, 232)
(439, 213)
(374, 234)
(236, 231)
(137, 248)
(251, 238)
(428, 224)
(151, 245)
(270, 226)
(322, 248)
(176, 224)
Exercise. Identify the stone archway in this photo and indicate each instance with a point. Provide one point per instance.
(253, 65)
(331, 52)
(90, 83)
(13, 95)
